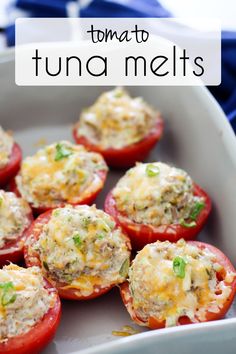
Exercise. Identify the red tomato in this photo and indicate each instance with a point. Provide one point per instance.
(153, 323)
(33, 341)
(142, 234)
(89, 199)
(13, 251)
(13, 166)
(126, 156)
(32, 259)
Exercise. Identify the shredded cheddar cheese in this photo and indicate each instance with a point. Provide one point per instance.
(125, 331)
(159, 292)
(83, 249)
(13, 217)
(61, 172)
(116, 120)
(23, 300)
(6, 144)
(156, 194)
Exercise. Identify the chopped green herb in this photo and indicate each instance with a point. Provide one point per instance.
(62, 152)
(179, 265)
(85, 222)
(152, 170)
(124, 268)
(188, 225)
(45, 265)
(208, 273)
(100, 236)
(196, 210)
(8, 295)
(8, 299)
(77, 240)
(56, 212)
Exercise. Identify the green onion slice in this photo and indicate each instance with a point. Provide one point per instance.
(77, 240)
(124, 268)
(62, 152)
(179, 265)
(8, 295)
(152, 170)
(196, 210)
(186, 224)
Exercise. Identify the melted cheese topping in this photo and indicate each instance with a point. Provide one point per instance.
(13, 217)
(116, 120)
(61, 172)
(6, 144)
(155, 194)
(159, 292)
(82, 248)
(23, 300)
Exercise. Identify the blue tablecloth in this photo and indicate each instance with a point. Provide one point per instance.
(225, 93)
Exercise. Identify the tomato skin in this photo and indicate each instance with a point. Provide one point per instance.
(126, 156)
(88, 200)
(32, 259)
(13, 251)
(35, 340)
(154, 323)
(13, 166)
(142, 234)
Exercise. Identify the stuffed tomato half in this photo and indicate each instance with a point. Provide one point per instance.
(121, 128)
(10, 157)
(80, 250)
(179, 283)
(15, 218)
(30, 310)
(155, 201)
(59, 174)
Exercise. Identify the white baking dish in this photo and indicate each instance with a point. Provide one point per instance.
(197, 138)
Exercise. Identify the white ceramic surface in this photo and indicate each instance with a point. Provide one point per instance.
(197, 138)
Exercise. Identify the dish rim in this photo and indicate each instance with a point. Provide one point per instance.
(225, 132)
